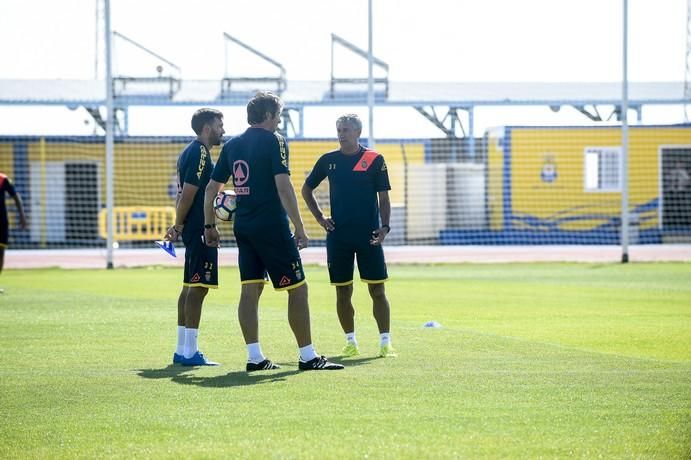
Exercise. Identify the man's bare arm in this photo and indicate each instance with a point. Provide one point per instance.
(289, 200)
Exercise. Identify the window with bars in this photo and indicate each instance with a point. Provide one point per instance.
(602, 169)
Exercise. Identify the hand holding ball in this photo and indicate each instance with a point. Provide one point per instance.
(225, 205)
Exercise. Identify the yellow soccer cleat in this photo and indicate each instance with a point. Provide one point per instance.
(350, 350)
(387, 351)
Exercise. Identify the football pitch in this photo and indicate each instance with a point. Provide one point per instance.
(531, 360)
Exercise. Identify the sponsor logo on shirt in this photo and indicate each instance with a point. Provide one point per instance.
(202, 162)
(282, 149)
(241, 172)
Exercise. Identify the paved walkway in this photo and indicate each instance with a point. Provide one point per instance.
(96, 258)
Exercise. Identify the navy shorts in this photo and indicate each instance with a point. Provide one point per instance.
(341, 252)
(271, 252)
(201, 264)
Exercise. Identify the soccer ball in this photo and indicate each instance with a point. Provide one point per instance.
(225, 205)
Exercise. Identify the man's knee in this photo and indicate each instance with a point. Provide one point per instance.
(344, 293)
(198, 292)
(252, 290)
(377, 291)
(300, 290)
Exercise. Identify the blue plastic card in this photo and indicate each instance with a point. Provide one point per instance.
(166, 246)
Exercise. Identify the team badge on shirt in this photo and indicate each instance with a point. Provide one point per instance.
(366, 161)
(241, 174)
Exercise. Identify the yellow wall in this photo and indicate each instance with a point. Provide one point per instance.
(530, 195)
(7, 168)
(495, 171)
(567, 195)
(6, 160)
(144, 171)
(304, 154)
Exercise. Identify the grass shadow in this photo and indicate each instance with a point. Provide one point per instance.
(235, 378)
(355, 361)
(167, 372)
(179, 374)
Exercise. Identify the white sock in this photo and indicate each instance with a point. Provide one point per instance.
(384, 339)
(350, 338)
(191, 342)
(180, 349)
(254, 353)
(307, 353)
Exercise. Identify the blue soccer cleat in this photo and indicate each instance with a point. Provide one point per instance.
(177, 359)
(198, 359)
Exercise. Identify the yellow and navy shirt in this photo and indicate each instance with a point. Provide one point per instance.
(354, 181)
(253, 159)
(6, 186)
(194, 167)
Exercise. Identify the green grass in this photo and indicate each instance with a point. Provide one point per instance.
(533, 360)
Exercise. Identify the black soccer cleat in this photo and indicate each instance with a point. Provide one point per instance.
(265, 365)
(320, 363)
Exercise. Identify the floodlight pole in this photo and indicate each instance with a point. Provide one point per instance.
(110, 124)
(370, 76)
(625, 141)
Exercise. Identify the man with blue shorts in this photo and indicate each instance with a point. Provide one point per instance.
(201, 262)
(358, 193)
(257, 160)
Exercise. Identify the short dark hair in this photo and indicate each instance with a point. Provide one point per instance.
(260, 104)
(203, 117)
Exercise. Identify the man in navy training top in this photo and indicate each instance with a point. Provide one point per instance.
(201, 261)
(358, 192)
(257, 160)
(6, 186)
